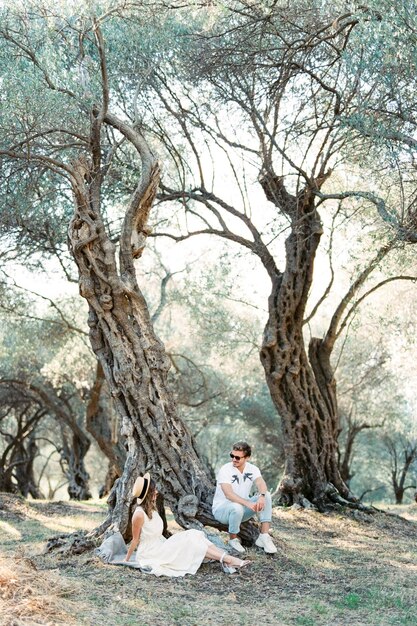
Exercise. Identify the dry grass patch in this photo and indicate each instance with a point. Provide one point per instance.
(28, 596)
(29, 524)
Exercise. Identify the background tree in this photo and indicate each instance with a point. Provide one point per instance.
(18, 424)
(403, 454)
(103, 424)
(365, 400)
(74, 441)
(281, 75)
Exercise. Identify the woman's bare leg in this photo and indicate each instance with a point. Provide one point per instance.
(214, 553)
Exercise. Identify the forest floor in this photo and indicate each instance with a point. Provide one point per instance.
(335, 569)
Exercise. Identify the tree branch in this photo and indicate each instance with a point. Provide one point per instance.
(135, 230)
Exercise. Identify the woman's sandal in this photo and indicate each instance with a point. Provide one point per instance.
(231, 569)
(228, 569)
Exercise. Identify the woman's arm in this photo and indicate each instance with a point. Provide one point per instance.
(137, 523)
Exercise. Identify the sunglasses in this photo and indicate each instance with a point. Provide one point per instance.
(233, 456)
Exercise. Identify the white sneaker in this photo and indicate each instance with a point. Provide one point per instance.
(236, 545)
(264, 541)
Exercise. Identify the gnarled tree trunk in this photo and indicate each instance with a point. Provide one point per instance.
(132, 357)
(24, 472)
(74, 450)
(302, 387)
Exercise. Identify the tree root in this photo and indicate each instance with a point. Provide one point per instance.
(104, 529)
(329, 499)
(350, 502)
(70, 543)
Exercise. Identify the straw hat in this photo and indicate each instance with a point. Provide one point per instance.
(141, 486)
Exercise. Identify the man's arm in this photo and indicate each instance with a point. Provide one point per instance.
(261, 485)
(233, 497)
(262, 488)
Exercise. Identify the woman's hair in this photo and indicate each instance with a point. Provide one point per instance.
(148, 504)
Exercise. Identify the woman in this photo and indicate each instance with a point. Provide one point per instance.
(182, 553)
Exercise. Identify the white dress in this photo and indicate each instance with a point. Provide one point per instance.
(181, 554)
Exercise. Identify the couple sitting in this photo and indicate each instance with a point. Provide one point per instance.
(184, 552)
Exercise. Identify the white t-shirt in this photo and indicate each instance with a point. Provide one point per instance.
(241, 483)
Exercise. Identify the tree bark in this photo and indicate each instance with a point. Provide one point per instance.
(399, 494)
(302, 387)
(100, 424)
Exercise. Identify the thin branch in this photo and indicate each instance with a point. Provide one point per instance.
(335, 328)
(330, 283)
(365, 295)
(31, 55)
(367, 195)
(65, 322)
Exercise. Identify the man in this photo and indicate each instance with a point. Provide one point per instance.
(232, 503)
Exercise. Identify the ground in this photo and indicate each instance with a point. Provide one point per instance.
(340, 569)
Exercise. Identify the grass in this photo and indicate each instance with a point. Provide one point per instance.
(330, 570)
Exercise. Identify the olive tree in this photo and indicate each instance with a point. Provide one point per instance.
(270, 92)
(64, 140)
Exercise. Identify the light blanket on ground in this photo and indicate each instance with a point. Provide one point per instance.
(113, 551)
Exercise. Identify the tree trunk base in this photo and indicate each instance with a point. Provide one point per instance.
(328, 499)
